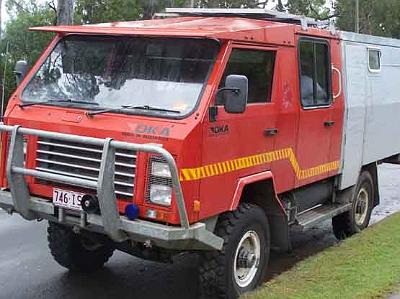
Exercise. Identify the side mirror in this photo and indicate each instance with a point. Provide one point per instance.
(21, 68)
(235, 93)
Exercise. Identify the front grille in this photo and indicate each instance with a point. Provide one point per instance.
(83, 161)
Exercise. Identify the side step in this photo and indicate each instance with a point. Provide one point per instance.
(308, 219)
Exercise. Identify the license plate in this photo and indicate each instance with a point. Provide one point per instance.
(67, 199)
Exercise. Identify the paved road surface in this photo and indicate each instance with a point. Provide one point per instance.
(28, 271)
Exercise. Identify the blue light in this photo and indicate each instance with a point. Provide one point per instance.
(132, 211)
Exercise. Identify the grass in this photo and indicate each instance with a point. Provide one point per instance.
(364, 266)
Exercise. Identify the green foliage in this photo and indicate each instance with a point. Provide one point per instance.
(376, 17)
(97, 11)
(312, 8)
(22, 43)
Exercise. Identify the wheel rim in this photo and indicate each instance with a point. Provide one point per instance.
(247, 259)
(361, 206)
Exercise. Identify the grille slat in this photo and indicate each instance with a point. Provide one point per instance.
(83, 161)
(90, 178)
(99, 151)
(83, 158)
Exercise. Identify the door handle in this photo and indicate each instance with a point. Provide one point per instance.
(271, 132)
(329, 123)
(334, 69)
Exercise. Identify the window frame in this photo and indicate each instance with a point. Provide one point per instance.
(379, 51)
(329, 62)
(240, 46)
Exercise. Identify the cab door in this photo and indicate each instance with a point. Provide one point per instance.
(316, 116)
(232, 142)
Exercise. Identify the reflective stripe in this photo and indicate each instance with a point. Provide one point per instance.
(220, 168)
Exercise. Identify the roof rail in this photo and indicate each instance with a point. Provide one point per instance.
(253, 13)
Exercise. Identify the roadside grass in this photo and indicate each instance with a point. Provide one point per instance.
(364, 266)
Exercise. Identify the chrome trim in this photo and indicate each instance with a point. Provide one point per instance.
(82, 158)
(81, 176)
(84, 149)
(55, 177)
(82, 167)
(67, 164)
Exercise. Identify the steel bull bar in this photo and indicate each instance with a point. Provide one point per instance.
(117, 227)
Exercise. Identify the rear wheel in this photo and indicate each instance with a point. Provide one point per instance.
(357, 219)
(241, 265)
(76, 252)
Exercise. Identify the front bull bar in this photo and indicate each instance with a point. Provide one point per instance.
(117, 227)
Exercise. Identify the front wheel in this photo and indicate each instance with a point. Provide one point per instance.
(76, 252)
(241, 264)
(357, 219)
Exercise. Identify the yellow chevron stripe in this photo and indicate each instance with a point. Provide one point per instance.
(220, 168)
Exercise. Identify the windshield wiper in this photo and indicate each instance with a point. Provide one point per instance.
(144, 107)
(56, 101)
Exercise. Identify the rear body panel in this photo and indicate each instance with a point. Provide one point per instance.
(372, 104)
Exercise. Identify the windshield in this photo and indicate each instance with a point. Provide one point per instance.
(113, 72)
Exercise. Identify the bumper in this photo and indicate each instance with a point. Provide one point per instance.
(109, 222)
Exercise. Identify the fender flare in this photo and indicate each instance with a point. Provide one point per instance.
(258, 177)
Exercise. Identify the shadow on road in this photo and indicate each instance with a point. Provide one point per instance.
(127, 277)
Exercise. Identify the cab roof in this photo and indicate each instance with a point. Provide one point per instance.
(220, 28)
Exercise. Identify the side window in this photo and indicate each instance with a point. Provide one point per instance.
(374, 60)
(315, 76)
(258, 66)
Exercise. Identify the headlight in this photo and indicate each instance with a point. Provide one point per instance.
(160, 194)
(160, 169)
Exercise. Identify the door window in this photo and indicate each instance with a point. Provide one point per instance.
(315, 76)
(258, 67)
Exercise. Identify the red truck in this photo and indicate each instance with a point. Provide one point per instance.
(209, 131)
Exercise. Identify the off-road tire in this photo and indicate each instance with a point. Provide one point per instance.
(344, 225)
(68, 250)
(216, 278)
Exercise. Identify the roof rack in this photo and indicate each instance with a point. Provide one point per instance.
(253, 13)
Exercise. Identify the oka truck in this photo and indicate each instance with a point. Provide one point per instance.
(203, 130)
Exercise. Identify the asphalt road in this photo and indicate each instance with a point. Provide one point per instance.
(28, 271)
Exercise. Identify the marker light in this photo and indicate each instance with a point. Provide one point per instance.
(132, 211)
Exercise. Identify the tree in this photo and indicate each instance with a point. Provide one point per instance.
(65, 12)
(376, 17)
(312, 8)
(1, 19)
(98, 11)
(23, 44)
(280, 6)
(227, 3)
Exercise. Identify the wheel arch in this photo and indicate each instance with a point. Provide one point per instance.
(259, 189)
